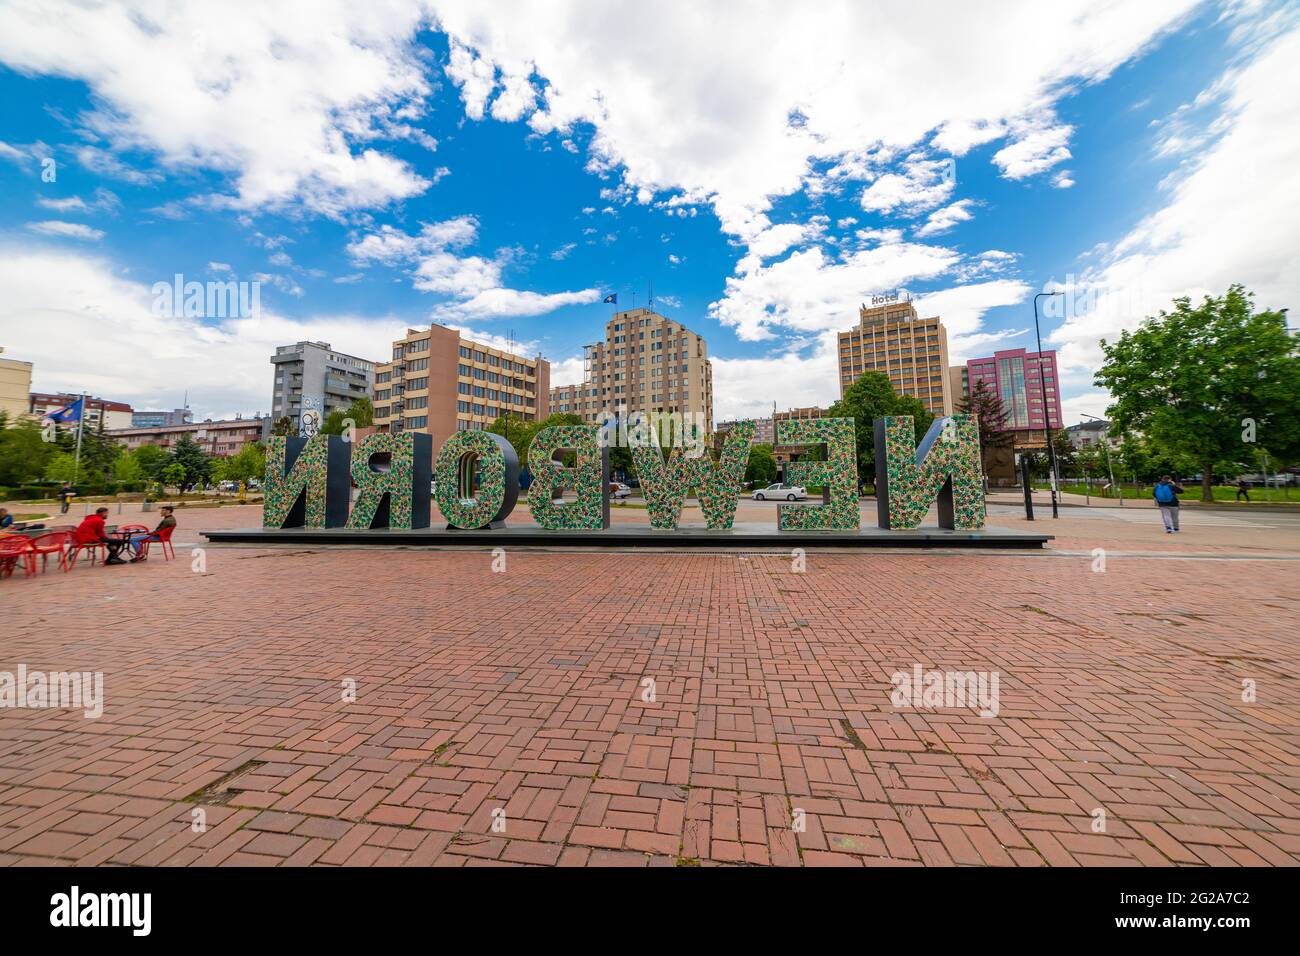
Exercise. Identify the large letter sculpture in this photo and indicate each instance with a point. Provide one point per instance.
(946, 466)
(395, 495)
(591, 510)
(666, 484)
(838, 475)
(497, 467)
(306, 482)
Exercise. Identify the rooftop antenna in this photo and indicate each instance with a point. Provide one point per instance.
(652, 295)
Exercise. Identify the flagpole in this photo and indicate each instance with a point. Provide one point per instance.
(81, 424)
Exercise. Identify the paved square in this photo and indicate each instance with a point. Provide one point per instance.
(500, 717)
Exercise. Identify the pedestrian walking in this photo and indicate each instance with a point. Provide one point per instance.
(65, 499)
(1243, 490)
(1166, 494)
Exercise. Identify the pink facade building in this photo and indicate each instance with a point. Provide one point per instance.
(1014, 376)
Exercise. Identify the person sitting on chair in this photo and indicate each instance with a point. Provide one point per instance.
(6, 519)
(91, 531)
(168, 521)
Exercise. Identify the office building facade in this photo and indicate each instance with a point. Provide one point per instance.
(891, 338)
(177, 416)
(647, 363)
(439, 383)
(313, 379)
(1020, 379)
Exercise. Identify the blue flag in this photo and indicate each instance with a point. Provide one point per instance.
(71, 413)
(611, 299)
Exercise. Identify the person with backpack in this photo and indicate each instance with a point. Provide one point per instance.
(1166, 494)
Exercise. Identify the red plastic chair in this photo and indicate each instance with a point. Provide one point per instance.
(164, 538)
(15, 549)
(52, 542)
(93, 547)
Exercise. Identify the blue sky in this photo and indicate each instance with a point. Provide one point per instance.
(501, 170)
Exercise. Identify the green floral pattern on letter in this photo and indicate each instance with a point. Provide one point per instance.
(481, 511)
(838, 474)
(280, 492)
(950, 449)
(372, 485)
(666, 485)
(589, 511)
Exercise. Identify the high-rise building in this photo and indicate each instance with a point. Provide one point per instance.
(959, 385)
(99, 413)
(646, 363)
(1013, 375)
(312, 378)
(764, 433)
(440, 383)
(15, 388)
(177, 416)
(891, 338)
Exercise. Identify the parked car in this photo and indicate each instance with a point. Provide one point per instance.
(619, 490)
(780, 491)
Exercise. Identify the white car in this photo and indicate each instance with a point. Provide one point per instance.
(619, 490)
(780, 492)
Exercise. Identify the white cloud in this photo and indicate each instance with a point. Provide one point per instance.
(922, 184)
(941, 220)
(1034, 151)
(563, 252)
(286, 104)
(809, 292)
(800, 376)
(706, 124)
(962, 309)
(497, 303)
(1230, 216)
(71, 230)
(223, 363)
(569, 371)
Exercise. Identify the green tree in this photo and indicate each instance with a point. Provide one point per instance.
(247, 463)
(283, 426)
(151, 460)
(869, 398)
(173, 474)
(1209, 383)
(334, 423)
(762, 465)
(59, 466)
(196, 465)
(362, 412)
(24, 453)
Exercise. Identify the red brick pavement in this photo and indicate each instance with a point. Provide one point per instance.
(499, 717)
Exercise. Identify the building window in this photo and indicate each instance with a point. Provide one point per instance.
(419, 421)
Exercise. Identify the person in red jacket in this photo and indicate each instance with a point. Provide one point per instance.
(91, 531)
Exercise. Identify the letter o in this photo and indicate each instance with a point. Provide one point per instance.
(498, 480)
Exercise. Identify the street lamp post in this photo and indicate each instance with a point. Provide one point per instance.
(1047, 416)
(1106, 441)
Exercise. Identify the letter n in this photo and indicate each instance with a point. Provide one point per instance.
(945, 468)
(307, 482)
(392, 474)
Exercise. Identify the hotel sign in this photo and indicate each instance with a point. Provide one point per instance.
(309, 481)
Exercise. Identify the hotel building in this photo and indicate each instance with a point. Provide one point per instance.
(1014, 376)
(646, 363)
(891, 338)
(440, 383)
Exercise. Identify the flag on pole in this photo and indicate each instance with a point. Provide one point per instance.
(611, 299)
(71, 413)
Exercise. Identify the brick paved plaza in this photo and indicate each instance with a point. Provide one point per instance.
(522, 691)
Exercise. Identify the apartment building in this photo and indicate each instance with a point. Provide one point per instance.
(220, 438)
(99, 412)
(439, 383)
(764, 433)
(15, 388)
(891, 338)
(312, 378)
(646, 363)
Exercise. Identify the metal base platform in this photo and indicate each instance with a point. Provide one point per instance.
(744, 536)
